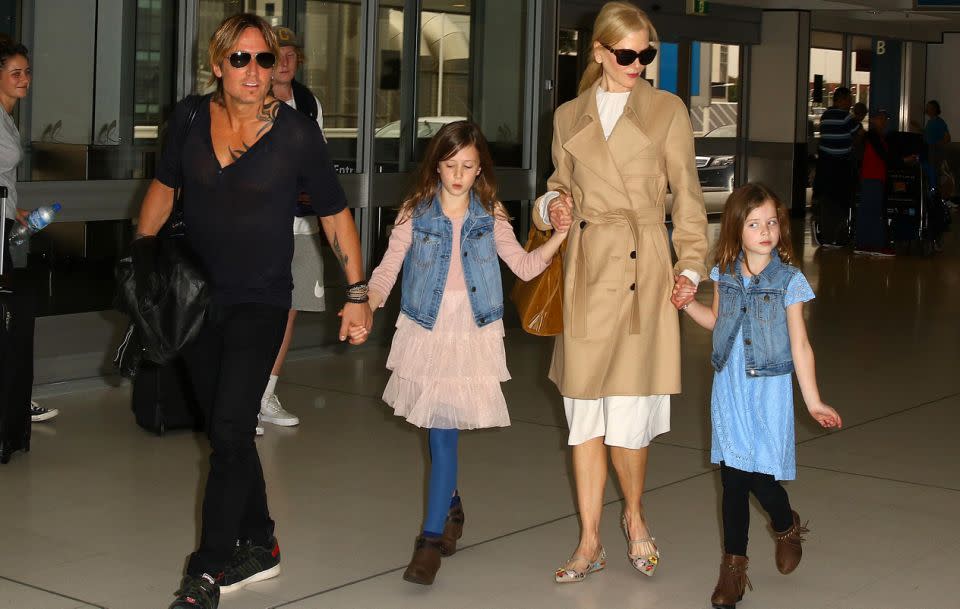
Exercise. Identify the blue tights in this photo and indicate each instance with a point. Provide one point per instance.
(443, 479)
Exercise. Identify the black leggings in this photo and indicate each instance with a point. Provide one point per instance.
(737, 486)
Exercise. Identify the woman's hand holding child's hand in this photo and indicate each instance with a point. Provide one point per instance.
(683, 292)
(561, 212)
(826, 416)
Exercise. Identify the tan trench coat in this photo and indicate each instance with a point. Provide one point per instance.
(621, 335)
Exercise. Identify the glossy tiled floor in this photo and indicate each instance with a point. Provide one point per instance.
(101, 514)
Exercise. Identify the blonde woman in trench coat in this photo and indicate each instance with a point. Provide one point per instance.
(616, 148)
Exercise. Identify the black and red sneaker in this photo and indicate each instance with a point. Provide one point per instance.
(250, 563)
(197, 592)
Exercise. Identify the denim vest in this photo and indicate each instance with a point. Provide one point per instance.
(759, 310)
(428, 261)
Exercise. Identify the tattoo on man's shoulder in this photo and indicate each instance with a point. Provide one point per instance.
(338, 251)
(267, 115)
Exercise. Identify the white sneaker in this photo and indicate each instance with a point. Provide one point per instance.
(259, 427)
(272, 412)
(39, 413)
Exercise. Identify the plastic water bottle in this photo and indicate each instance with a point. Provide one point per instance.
(36, 221)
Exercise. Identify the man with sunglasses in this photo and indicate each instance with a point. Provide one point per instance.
(241, 157)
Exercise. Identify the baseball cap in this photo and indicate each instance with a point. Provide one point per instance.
(287, 37)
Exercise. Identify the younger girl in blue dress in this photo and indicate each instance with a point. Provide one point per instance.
(759, 339)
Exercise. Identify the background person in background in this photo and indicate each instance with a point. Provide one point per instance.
(859, 112)
(15, 79)
(877, 159)
(836, 180)
(936, 135)
(308, 293)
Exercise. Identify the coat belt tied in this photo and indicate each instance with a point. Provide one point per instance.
(636, 221)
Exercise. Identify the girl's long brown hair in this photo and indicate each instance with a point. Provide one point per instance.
(739, 204)
(451, 139)
(615, 21)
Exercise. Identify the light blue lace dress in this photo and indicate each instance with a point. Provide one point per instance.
(752, 417)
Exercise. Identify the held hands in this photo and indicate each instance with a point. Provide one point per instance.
(683, 292)
(826, 416)
(356, 322)
(561, 212)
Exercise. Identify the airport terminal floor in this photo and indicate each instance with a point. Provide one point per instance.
(103, 514)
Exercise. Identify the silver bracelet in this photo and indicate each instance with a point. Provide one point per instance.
(684, 307)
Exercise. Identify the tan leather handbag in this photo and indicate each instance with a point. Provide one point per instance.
(540, 300)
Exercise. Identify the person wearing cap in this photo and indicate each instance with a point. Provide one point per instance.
(877, 157)
(307, 268)
(286, 87)
(836, 180)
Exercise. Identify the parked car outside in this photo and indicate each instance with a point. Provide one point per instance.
(717, 172)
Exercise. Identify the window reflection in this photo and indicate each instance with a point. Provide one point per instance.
(331, 40)
(860, 60)
(465, 70)
(389, 58)
(714, 112)
(109, 127)
(826, 74)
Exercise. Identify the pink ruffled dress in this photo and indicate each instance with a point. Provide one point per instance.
(449, 377)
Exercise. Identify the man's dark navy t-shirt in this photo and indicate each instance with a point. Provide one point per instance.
(238, 217)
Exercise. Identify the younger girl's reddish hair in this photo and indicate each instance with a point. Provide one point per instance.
(451, 139)
(739, 204)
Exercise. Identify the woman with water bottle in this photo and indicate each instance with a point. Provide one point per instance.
(15, 77)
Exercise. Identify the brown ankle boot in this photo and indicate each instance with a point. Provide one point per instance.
(425, 563)
(452, 530)
(789, 550)
(732, 583)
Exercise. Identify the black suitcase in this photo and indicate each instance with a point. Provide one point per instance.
(16, 357)
(163, 398)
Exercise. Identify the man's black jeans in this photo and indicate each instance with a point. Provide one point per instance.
(230, 363)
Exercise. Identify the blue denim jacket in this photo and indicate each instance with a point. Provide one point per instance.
(759, 310)
(428, 261)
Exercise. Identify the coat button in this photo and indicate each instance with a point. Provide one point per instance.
(633, 286)
(465, 254)
(766, 298)
(473, 289)
(583, 224)
(753, 373)
(748, 341)
(633, 254)
(743, 310)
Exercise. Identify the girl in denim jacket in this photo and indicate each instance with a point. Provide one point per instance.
(447, 355)
(759, 339)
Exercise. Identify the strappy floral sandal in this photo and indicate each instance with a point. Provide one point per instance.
(571, 574)
(643, 559)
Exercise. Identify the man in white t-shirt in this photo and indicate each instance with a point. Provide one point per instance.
(285, 85)
(307, 269)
